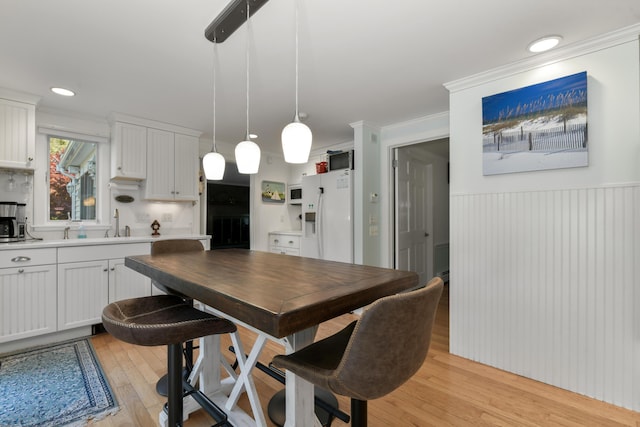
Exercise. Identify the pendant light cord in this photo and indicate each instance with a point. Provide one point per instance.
(248, 34)
(297, 60)
(215, 50)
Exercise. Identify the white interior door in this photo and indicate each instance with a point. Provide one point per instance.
(414, 214)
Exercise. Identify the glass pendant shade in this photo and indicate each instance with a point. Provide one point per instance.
(296, 142)
(247, 157)
(213, 164)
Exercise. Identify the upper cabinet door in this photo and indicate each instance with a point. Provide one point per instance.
(187, 167)
(128, 151)
(17, 134)
(160, 171)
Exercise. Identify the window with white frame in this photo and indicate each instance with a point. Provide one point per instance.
(72, 179)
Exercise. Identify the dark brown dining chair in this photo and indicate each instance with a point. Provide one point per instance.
(373, 355)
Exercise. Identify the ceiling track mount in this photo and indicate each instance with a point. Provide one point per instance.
(230, 19)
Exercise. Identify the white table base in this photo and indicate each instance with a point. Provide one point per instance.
(300, 407)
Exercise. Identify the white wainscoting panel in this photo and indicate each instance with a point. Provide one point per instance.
(545, 284)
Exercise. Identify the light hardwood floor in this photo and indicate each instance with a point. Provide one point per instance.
(447, 391)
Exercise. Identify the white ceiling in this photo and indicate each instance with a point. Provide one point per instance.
(377, 60)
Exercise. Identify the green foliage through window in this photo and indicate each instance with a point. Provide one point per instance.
(72, 179)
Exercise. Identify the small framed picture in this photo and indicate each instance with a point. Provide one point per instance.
(273, 192)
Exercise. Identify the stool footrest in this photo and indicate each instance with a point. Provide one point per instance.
(207, 404)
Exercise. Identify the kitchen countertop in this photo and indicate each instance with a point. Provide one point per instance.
(34, 244)
(289, 232)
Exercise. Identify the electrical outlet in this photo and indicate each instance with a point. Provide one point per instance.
(143, 217)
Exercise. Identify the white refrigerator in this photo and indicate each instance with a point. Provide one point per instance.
(327, 216)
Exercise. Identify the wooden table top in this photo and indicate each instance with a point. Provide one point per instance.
(277, 294)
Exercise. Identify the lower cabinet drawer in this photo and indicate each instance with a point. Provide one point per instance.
(285, 251)
(284, 240)
(27, 257)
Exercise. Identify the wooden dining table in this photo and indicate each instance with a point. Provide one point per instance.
(281, 297)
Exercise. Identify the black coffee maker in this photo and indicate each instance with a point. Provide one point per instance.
(9, 230)
(21, 220)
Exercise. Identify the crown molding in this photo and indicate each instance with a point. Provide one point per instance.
(611, 39)
(23, 97)
(120, 117)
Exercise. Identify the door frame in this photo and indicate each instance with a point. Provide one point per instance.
(387, 232)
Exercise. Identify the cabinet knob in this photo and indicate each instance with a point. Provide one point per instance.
(30, 159)
(21, 270)
(119, 168)
(276, 240)
(112, 268)
(291, 242)
(106, 269)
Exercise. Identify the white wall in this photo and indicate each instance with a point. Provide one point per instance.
(366, 194)
(544, 267)
(267, 216)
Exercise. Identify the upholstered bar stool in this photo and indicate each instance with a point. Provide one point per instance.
(163, 320)
(373, 355)
(170, 246)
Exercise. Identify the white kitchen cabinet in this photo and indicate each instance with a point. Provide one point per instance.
(284, 243)
(83, 291)
(126, 283)
(17, 134)
(187, 167)
(172, 166)
(160, 151)
(128, 151)
(90, 277)
(27, 293)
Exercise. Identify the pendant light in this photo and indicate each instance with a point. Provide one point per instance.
(296, 136)
(247, 152)
(213, 162)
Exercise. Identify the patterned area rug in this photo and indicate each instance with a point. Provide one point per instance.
(59, 385)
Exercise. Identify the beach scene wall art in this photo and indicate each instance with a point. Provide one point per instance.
(538, 127)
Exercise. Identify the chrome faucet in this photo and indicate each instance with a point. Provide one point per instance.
(116, 215)
(68, 227)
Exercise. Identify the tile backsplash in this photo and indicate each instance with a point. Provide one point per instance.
(15, 186)
(174, 217)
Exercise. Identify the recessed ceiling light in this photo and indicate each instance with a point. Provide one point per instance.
(253, 136)
(62, 91)
(544, 44)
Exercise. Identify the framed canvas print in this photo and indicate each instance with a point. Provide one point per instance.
(273, 192)
(538, 127)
